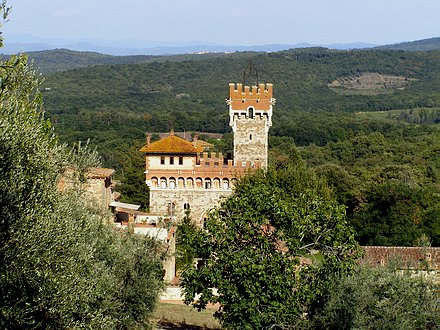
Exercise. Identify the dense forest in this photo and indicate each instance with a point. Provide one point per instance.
(123, 102)
(366, 121)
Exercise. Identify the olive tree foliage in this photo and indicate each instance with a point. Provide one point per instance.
(381, 298)
(270, 250)
(62, 265)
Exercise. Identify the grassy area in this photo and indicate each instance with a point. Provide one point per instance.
(178, 316)
(391, 114)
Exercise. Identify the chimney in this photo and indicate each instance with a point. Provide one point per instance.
(196, 137)
(148, 139)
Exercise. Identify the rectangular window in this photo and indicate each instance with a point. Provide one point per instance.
(171, 160)
(180, 160)
(162, 160)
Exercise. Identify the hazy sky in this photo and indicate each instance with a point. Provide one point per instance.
(231, 22)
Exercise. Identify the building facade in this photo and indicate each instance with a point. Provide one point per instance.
(98, 186)
(181, 176)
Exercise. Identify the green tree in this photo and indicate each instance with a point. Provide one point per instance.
(270, 250)
(396, 214)
(381, 298)
(62, 265)
(133, 187)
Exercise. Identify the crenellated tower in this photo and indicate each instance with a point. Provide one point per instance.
(250, 116)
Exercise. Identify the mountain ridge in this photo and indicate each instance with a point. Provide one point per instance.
(26, 43)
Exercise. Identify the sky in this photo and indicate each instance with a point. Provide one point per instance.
(228, 22)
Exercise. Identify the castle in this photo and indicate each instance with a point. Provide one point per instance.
(181, 176)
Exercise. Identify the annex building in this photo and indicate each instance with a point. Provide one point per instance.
(182, 176)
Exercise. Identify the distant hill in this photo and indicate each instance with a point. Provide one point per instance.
(57, 60)
(418, 45)
(49, 61)
(26, 43)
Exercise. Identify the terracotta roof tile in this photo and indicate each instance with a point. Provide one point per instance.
(99, 172)
(203, 144)
(171, 144)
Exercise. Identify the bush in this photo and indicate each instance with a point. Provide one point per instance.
(381, 298)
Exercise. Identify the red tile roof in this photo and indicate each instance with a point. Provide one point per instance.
(171, 145)
(99, 172)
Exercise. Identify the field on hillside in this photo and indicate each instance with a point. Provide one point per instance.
(394, 115)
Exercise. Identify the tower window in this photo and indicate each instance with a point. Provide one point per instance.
(171, 160)
(251, 112)
(171, 208)
(162, 160)
(180, 160)
(250, 136)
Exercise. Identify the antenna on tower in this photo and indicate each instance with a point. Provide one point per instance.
(249, 73)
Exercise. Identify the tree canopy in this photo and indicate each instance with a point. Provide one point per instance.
(62, 265)
(270, 250)
(381, 298)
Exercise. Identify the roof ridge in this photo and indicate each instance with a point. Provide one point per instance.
(171, 144)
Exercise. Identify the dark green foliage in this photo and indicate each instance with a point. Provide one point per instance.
(387, 183)
(381, 298)
(62, 265)
(133, 188)
(187, 243)
(397, 214)
(253, 245)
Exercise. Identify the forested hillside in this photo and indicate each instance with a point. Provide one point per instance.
(418, 45)
(113, 104)
(49, 61)
(365, 121)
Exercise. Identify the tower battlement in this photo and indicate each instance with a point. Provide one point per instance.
(258, 97)
(262, 91)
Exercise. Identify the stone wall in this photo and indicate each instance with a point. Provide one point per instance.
(200, 202)
(250, 140)
(408, 257)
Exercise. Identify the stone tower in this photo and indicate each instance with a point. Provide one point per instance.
(250, 116)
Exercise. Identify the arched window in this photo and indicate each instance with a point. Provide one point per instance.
(154, 182)
(251, 112)
(181, 183)
(173, 183)
(171, 209)
(186, 206)
(225, 184)
(163, 183)
(208, 184)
